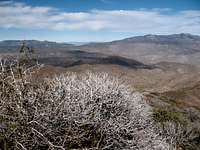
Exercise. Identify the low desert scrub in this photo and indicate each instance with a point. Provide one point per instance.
(70, 111)
(181, 136)
(179, 131)
(163, 115)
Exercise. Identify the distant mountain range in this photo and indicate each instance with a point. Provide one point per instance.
(14, 45)
(180, 48)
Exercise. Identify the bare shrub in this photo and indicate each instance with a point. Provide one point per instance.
(89, 111)
(181, 136)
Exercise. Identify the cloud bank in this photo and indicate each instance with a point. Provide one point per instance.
(143, 21)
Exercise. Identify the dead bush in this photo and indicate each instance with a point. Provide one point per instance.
(88, 111)
(181, 136)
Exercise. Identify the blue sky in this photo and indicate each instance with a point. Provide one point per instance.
(96, 20)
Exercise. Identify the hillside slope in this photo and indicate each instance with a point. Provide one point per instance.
(181, 48)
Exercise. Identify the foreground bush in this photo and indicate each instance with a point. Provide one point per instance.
(89, 111)
(180, 132)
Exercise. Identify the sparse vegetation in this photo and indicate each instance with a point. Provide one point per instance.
(179, 125)
(88, 111)
(162, 115)
(181, 136)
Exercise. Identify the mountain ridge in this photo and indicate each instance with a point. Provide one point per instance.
(181, 48)
(186, 35)
(148, 49)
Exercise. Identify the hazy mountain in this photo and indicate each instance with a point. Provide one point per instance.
(78, 43)
(182, 48)
(14, 45)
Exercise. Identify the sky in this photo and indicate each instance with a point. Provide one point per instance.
(96, 20)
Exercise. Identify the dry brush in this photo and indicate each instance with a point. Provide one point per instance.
(70, 111)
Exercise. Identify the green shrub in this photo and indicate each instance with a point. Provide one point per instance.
(162, 115)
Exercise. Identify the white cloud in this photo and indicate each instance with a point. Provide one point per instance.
(155, 21)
